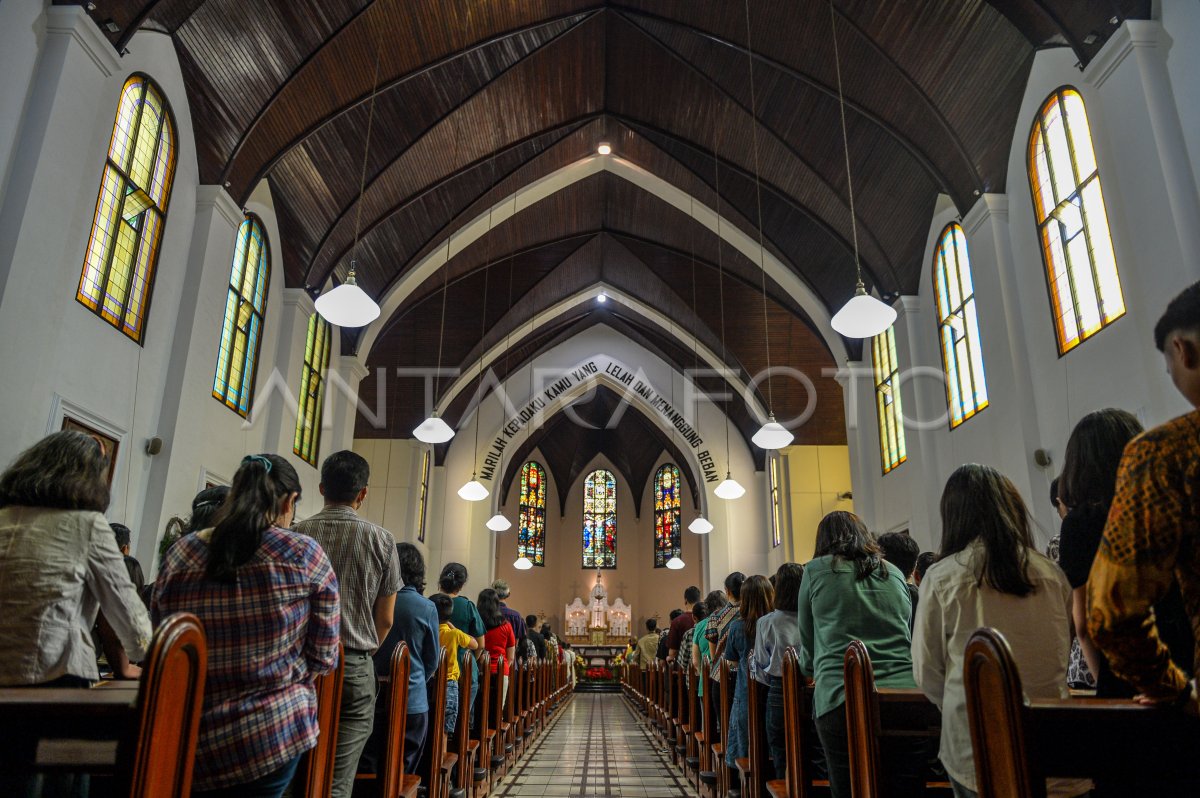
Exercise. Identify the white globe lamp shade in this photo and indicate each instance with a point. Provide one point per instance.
(473, 491)
(433, 430)
(675, 564)
(523, 563)
(701, 526)
(498, 523)
(863, 316)
(772, 435)
(347, 305)
(729, 489)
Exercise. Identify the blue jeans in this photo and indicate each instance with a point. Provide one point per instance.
(271, 785)
(451, 705)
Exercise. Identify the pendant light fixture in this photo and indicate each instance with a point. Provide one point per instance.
(498, 523)
(729, 488)
(676, 564)
(523, 563)
(347, 305)
(700, 525)
(772, 435)
(474, 491)
(863, 316)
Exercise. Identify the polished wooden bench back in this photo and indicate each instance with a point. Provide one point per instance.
(438, 761)
(1019, 743)
(460, 738)
(391, 778)
(170, 699)
(755, 771)
(314, 777)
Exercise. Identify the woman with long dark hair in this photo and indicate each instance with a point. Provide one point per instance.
(498, 639)
(775, 632)
(60, 566)
(268, 599)
(757, 601)
(988, 573)
(850, 593)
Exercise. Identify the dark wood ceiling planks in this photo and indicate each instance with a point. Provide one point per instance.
(479, 98)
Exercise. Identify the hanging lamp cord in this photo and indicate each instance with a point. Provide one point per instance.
(362, 175)
(837, 65)
(762, 265)
(721, 281)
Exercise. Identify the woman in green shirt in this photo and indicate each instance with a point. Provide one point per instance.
(850, 593)
(700, 647)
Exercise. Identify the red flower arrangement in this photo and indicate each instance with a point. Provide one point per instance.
(598, 674)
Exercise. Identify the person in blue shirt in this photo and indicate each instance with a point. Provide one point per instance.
(415, 621)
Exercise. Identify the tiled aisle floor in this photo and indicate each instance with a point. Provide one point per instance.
(596, 747)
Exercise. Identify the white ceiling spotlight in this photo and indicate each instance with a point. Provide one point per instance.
(602, 298)
(498, 523)
(605, 148)
(701, 526)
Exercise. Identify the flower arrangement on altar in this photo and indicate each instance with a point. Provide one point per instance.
(598, 674)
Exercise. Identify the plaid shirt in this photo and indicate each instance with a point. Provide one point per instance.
(1152, 538)
(367, 567)
(269, 635)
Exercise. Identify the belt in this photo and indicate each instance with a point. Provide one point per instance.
(357, 652)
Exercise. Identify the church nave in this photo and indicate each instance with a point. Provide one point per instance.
(596, 747)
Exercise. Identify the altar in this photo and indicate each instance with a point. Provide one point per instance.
(598, 623)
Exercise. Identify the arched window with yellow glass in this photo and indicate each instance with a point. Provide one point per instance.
(531, 534)
(1068, 202)
(958, 326)
(131, 210)
(668, 541)
(245, 309)
(317, 342)
(892, 447)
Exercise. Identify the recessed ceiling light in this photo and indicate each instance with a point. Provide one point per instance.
(605, 148)
(602, 298)
(111, 27)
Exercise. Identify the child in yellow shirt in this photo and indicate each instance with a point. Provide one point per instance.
(452, 640)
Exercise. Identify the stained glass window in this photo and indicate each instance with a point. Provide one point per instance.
(668, 542)
(776, 501)
(531, 535)
(312, 389)
(887, 400)
(119, 266)
(958, 326)
(423, 501)
(600, 520)
(245, 306)
(1077, 250)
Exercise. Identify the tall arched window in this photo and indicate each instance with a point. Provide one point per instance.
(892, 448)
(122, 252)
(600, 520)
(668, 542)
(245, 306)
(531, 535)
(958, 326)
(307, 442)
(1081, 268)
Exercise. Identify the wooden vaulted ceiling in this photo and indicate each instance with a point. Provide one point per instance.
(479, 98)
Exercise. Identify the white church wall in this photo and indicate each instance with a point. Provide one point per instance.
(1181, 20)
(21, 32)
(1036, 396)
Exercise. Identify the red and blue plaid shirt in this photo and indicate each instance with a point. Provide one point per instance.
(269, 636)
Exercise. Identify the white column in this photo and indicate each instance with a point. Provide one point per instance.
(278, 385)
(182, 426)
(1141, 119)
(352, 371)
(863, 448)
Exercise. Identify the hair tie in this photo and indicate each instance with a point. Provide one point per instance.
(258, 458)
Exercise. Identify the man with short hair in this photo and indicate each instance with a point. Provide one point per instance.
(902, 551)
(364, 560)
(1152, 537)
(660, 653)
(535, 637)
(647, 645)
(512, 616)
(682, 624)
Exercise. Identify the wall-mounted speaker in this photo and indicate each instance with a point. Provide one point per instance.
(153, 446)
(1042, 458)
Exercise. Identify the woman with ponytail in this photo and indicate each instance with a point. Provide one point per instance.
(268, 600)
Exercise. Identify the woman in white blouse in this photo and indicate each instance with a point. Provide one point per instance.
(775, 632)
(988, 574)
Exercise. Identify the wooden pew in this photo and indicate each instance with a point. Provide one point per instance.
(799, 735)
(461, 743)
(693, 732)
(154, 722)
(707, 778)
(873, 713)
(314, 777)
(391, 780)
(1019, 743)
(439, 761)
(503, 748)
(485, 730)
(753, 769)
(722, 687)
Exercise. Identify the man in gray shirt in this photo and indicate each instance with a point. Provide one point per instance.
(368, 572)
